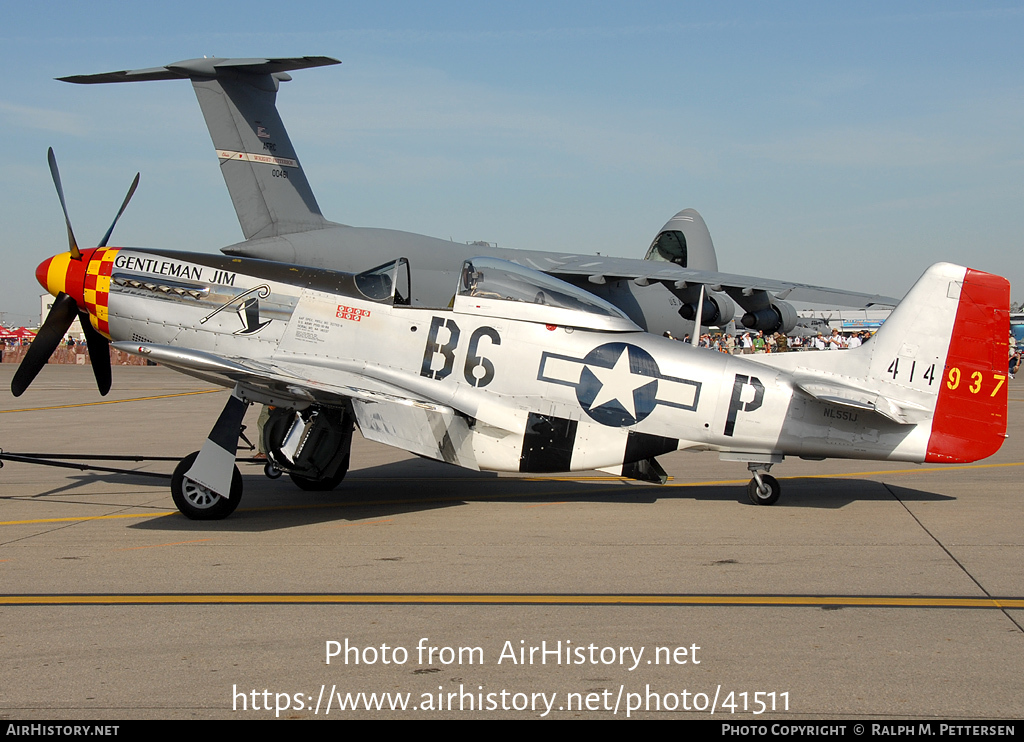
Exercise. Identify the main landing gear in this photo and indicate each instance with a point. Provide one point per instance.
(206, 485)
(198, 502)
(312, 446)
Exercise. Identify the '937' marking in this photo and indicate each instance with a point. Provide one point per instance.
(974, 382)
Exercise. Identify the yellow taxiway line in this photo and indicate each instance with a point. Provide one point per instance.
(114, 401)
(851, 601)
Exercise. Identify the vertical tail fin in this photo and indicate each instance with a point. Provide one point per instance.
(939, 362)
(238, 98)
(944, 349)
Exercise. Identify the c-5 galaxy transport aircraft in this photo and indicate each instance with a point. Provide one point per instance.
(521, 371)
(281, 221)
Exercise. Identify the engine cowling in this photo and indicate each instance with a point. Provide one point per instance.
(779, 316)
(717, 310)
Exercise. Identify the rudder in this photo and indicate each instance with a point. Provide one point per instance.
(970, 413)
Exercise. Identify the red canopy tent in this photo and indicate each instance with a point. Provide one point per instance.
(20, 334)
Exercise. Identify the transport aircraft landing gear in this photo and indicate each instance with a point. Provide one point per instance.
(763, 489)
(197, 502)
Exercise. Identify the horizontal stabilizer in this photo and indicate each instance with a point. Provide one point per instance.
(904, 413)
(206, 67)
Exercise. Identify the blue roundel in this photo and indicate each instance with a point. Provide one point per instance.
(619, 384)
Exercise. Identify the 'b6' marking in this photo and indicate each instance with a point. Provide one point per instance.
(478, 371)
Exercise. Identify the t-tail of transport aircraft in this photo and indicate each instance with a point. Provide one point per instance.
(281, 221)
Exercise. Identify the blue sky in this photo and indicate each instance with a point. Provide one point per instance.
(838, 144)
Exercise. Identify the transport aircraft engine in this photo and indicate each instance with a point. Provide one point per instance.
(716, 311)
(779, 317)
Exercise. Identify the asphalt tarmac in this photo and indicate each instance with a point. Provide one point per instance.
(870, 591)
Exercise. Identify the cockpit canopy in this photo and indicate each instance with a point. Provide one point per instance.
(386, 283)
(498, 288)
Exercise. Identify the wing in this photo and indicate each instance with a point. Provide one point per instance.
(385, 413)
(599, 270)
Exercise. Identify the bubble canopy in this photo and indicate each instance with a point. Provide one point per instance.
(498, 288)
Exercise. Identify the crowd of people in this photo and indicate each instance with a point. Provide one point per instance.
(760, 342)
(70, 351)
(776, 342)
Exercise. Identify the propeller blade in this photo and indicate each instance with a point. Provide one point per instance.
(50, 334)
(72, 244)
(99, 353)
(65, 308)
(106, 237)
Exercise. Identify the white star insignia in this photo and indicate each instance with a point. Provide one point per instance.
(618, 383)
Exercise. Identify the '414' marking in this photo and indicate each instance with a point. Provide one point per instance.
(894, 369)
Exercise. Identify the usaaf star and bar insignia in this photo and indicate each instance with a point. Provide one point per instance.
(619, 384)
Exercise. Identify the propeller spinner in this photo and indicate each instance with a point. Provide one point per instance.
(66, 276)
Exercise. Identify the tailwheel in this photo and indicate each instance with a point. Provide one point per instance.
(763, 492)
(197, 502)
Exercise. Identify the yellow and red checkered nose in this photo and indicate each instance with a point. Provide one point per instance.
(87, 281)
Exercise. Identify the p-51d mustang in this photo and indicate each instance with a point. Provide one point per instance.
(677, 281)
(519, 371)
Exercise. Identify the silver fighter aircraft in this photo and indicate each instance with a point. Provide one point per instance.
(517, 370)
(280, 218)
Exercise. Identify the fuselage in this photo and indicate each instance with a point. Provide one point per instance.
(563, 390)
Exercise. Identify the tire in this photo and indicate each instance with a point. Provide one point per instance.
(774, 490)
(318, 485)
(197, 502)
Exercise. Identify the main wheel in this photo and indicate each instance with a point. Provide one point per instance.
(197, 502)
(764, 498)
(318, 485)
